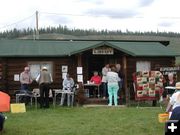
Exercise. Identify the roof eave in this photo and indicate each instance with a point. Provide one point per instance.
(156, 55)
(88, 48)
(4, 56)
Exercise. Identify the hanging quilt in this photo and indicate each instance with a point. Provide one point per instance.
(148, 85)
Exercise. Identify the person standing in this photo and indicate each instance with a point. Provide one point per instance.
(105, 70)
(44, 79)
(121, 76)
(25, 79)
(113, 86)
(170, 82)
(68, 84)
(174, 104)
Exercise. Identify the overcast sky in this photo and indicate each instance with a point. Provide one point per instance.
(134, 15)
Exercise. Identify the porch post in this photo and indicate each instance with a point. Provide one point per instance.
(125, 79)
(80, 93)
(79, 62)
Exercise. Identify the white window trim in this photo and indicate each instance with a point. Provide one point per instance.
(40, 64)
(145, 65)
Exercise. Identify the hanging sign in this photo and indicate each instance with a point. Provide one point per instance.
(16, 77)
(80, 78)
(103, 51)
(79, 70)
(64, 69)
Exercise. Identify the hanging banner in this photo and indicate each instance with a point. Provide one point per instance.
(167, 70)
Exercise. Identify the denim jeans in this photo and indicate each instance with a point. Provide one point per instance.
(104, 89)
(175, 114)
(24, 87)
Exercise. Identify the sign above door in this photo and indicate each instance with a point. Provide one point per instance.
(103, 51)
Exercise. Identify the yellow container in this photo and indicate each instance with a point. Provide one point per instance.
(163, 117)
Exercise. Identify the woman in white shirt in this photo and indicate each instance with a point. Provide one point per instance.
(174, 104)
(112, 79)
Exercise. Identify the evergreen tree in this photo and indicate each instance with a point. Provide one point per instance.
(15, 33)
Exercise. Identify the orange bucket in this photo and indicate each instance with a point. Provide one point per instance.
(163, 117)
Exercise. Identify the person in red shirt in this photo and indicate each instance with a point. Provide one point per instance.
(96, 79)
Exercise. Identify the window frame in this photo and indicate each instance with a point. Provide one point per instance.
(145, 67)
(40, 64)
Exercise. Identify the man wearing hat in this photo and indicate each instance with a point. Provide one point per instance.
(44, 79)
(174, 104)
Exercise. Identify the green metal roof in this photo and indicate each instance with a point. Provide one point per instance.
(39, 48)
(42, 48)
(144, 48)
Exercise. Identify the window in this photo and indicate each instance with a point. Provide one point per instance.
(143, 66)
(35, 68)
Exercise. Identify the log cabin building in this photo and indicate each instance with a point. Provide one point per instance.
(65, 56)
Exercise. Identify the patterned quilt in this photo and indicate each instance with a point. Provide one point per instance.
(148, 85)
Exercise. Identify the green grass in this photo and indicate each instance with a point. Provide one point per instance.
(85, 121)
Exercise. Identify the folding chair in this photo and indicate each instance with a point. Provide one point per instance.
(23, 96)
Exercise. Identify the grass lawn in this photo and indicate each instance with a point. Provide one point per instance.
(85, 121)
